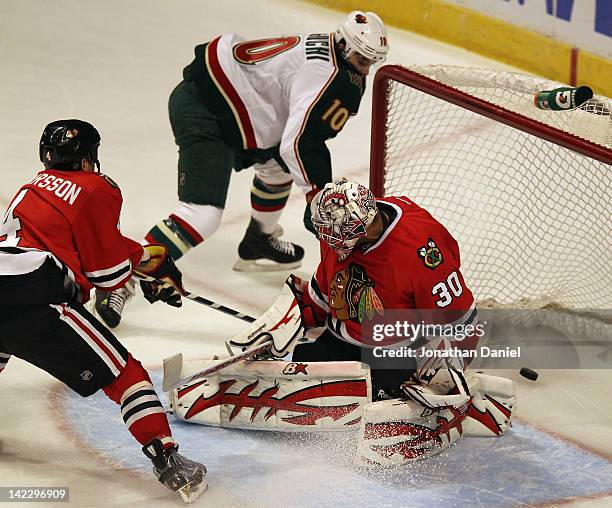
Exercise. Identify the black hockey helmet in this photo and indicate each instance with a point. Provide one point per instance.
(65, 143)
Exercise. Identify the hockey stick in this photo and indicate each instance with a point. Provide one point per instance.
(200, 299)
(173, 366)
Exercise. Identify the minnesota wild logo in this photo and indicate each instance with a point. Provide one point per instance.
(352, 295)
(430, 254)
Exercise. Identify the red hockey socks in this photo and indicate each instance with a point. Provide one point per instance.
(141, 408)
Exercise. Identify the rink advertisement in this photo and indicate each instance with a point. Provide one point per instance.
(569, 41)
(583, 24)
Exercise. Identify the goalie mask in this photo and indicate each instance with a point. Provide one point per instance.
(363, 33)
(341, 213)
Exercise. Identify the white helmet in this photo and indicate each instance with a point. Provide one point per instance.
(364, 33)
(341, 212)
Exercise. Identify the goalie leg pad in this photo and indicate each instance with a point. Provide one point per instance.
(395, 432)
(276, 395)
(492, 407)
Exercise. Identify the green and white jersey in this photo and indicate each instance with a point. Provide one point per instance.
(294, 92)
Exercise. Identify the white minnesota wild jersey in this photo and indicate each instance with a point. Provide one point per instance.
(294, 92)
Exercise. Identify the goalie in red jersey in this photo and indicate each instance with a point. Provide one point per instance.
(381, 255)
(377, 257)
(59, 239)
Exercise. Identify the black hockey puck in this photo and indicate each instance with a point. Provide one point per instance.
(528, 373)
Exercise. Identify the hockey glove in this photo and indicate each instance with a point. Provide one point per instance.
(168, 285)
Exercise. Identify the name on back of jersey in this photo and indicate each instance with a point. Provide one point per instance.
(317, 47)
(63, 189)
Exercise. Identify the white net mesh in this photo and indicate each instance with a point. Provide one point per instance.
(533, 219)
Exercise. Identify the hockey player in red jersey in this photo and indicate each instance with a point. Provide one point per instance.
(380, 255)
(382, 261)
(377, 255)
(59, 239)
(271, 104)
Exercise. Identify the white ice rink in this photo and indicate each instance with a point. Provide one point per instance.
(114, 64)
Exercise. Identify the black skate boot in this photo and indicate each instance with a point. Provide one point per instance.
(259, 252)
(175, 471)
(109, 304)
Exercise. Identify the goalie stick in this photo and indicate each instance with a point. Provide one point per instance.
(200, 299)
(173, 366)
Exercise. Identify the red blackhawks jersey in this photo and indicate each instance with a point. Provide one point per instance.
(73, 218)
(414, 265)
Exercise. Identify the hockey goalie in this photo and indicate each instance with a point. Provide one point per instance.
(377, 255)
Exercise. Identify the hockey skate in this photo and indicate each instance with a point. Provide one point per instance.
(260, 252)
(109, 304)
(175, 471)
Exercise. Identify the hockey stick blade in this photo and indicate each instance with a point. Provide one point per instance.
(173, 366)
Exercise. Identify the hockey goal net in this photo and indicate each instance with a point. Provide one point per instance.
(526, 192)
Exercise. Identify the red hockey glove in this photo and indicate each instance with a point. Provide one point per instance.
(168, 286)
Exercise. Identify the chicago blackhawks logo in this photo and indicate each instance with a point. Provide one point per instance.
(430, 254)
(352, 295)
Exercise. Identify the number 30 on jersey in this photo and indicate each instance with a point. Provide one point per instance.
(447, 290)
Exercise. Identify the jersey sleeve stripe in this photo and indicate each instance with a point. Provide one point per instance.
(111, 272)
(230, 94)
(111, 279)
(317, 296)
(307, 116)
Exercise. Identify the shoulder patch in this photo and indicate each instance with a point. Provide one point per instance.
(430, 254)
(110, 181)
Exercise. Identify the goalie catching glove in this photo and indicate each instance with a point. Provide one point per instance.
(168, 283)
(282, 324)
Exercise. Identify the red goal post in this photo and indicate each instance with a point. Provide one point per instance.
(526, 192)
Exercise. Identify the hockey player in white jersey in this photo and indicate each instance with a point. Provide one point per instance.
(268, 103)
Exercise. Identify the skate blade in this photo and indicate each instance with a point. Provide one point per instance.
(189, 493)
(260, 265)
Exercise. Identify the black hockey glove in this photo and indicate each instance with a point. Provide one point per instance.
(168, 285)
